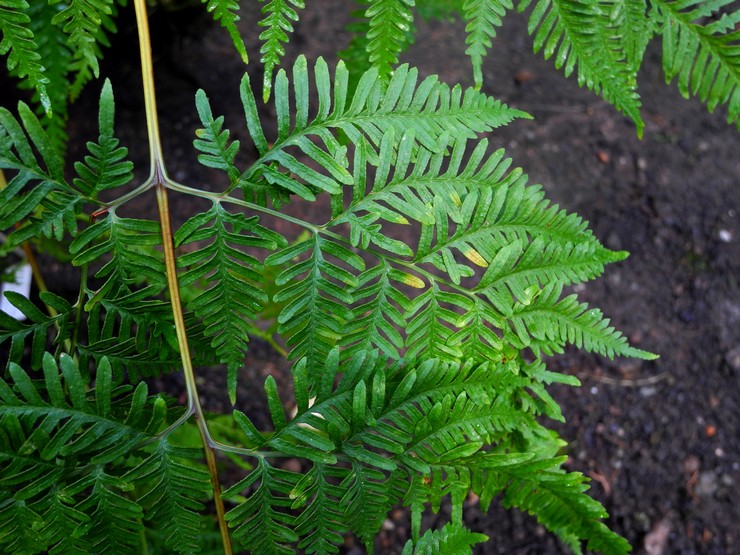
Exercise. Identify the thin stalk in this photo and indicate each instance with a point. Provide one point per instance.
(158, 177)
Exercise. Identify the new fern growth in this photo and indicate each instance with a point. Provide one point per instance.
(415, 314)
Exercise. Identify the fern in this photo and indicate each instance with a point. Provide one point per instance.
(582, 36)
(703, 57)
(483, 16)
(452, 539)
(280, 14)
(19, 44)
(173, 492)
(225, 12)
(233, 296)
(418, 371)
(389, 30)
(85, 22)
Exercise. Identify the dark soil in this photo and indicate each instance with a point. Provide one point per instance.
(659, 439)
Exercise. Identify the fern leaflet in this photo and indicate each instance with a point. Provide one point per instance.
(224, 11)
(234, 296)
(19, 43)
(280, 14)
(703, 57)
(482, 17)
(582, 35)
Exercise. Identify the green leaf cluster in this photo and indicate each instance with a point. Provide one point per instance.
(416, 307)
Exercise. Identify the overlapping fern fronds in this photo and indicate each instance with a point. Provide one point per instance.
(63, 451)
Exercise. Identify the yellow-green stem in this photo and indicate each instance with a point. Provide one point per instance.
(158, 178)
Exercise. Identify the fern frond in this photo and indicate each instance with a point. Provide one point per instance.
(390, 31)
(378, 314)
(57, 57)
(704, 57)
(85, 22)
(582, 36)
(367, 499)
(548, 323)
(314, 288)
(115, 519)
(635, 29)
(19, 528)
(63, 527)
(482, 17)
(58, 443)
(129, 242)
(213, 141)
(451, 539)
(321, 522)
(106, 167)
(19, 43)
(476, 337)
(427, 114)
(37, 177)
(234, 295)
(263, 522)
(521, 268)
(280, 15)
(225, 12)
(430, 325)
(556, 498)
(38, 327)
(174, 494)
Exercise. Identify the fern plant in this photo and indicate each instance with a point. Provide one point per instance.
(416, 314)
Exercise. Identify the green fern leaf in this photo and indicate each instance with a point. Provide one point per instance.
(390, 24)
(224, 11)
(128, 241)
(556, 498)
(482, 17)
(263, 522)
(430, 324)
(635, 29)
(57, 442)
(85, 22)
(19, 43)
(583, 36)
(106, 167)
(278, 22)
(64, 526)
(367, 499)
(320, 524)
(314, 290)
(476, 337)
(115, 519)
(57, 58)
(702, 56)
(548, 323)
(19, 528)
(38, 327)
(174, 491)
(426, 113)
(451, 539)
(213, 141)
(235, 296)
(378, 313)
(38, 188)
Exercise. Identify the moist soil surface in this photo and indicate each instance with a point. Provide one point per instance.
(658, 439)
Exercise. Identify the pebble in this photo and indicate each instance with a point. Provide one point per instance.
(733, 359)
(706, 485)
(648, 391)
(725, 235)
